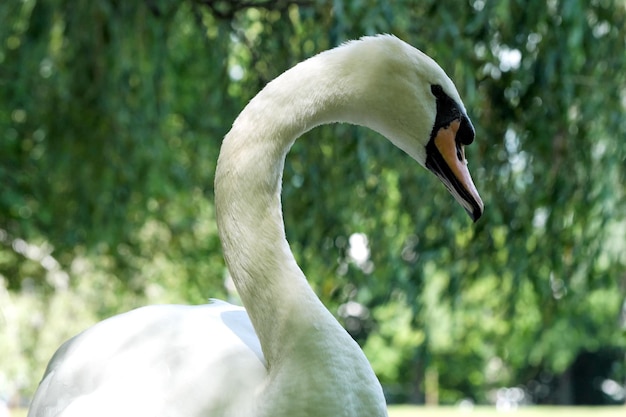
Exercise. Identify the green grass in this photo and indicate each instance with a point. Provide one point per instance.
(416, 411)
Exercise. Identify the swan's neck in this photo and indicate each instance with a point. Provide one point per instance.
(297, 333)
(248, 203)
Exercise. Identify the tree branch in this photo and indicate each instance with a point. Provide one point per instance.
(228, 9)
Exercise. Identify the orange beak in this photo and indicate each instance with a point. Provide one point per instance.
(447, 160)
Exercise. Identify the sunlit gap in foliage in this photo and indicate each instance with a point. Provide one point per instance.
(509, 59)
(557, 285)
(359, 252)
(540, 218)
(353, 314)
(42, 254)
(236, 64)
(518, 161)
(510, 399)
(235, 72)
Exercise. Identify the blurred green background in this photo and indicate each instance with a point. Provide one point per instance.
(111, 118)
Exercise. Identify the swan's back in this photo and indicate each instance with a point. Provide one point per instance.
(183, 353)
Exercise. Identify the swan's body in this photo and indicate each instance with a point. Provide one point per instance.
(207, 360)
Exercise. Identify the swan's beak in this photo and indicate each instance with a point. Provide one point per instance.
(446, 158)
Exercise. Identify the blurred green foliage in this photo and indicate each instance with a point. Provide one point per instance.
(111, 118)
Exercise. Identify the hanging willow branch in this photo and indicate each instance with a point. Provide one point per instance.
(227, 9)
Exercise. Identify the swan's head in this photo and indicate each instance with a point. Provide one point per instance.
(445, 151)
(408, 98)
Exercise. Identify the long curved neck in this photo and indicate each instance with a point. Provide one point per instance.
(295, 330)
(247, 192)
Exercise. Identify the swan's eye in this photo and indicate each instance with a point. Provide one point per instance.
(437, 90)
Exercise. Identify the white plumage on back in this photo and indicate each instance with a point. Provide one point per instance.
(162, 360)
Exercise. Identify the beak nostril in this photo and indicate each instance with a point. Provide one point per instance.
(460, 152)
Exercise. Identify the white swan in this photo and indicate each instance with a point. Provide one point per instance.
(192, 361)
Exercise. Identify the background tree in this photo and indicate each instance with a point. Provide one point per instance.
(111, 118)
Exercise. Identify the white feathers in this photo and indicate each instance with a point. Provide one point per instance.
(207, 361)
